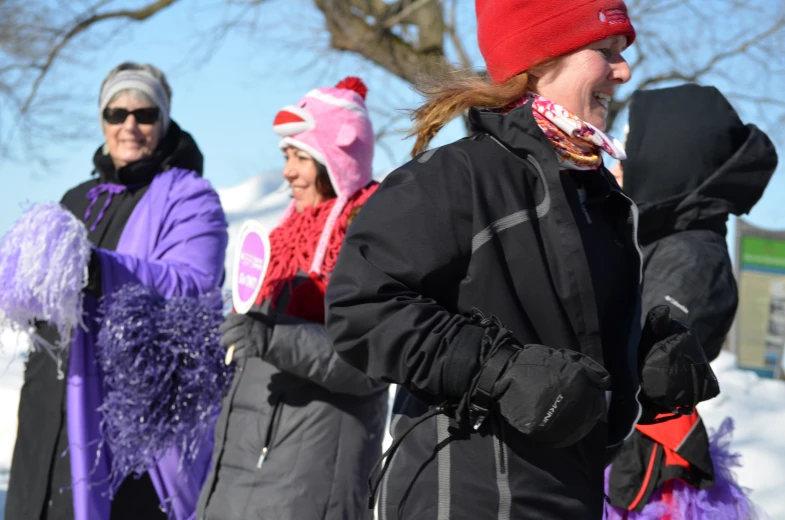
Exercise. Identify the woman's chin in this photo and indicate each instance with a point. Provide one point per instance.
(598, 118)
(128, 158)
(598, 122)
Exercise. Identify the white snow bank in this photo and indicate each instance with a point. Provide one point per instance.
(757, 407)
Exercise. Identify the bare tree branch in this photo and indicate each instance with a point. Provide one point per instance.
(350, 32)
(83, 25)
(404, 13)
(452, 32)
(678, 41)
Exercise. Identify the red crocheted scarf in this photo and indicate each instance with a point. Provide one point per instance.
(293, 244)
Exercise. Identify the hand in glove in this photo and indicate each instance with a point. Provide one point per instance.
(554, 396)
(675, 373)
(93, 286)
(246, 335)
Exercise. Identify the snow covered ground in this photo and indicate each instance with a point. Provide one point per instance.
(757, 405)
(12, 348)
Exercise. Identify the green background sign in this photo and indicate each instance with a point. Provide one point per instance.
(763, 252)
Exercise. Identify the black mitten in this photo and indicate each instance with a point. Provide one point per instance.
(554, 396)
(94, 275)
(675, 372)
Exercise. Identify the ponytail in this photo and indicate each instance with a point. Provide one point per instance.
(447, 98)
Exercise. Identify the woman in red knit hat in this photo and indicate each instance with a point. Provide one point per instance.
(300, 428)
(497, 281)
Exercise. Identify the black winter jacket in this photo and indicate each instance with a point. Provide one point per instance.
(686, 181)
(489, 222)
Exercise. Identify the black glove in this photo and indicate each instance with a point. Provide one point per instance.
(675, 373)
(554, 396)
(94, 275)
(246, 335)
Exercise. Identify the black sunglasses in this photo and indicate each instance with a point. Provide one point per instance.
(143, 116)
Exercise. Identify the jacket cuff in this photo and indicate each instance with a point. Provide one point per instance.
(463, 361)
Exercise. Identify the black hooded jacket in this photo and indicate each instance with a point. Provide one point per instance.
(690, 163)
(488, 222)
(40, 477)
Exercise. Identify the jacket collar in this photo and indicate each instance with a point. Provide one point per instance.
(518, 131)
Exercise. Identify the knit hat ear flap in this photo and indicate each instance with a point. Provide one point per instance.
(324, 239)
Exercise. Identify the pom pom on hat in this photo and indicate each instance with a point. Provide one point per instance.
(355, 84)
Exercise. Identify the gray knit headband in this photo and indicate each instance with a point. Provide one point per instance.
(137, 80)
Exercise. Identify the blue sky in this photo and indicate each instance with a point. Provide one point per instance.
(227, 101)
(227, 98)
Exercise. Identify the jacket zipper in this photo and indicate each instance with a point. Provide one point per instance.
(582, 200)
(634, 214)
(586, 214)
(269, 435)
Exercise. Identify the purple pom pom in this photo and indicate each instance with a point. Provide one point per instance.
(164, 376)
(43, 269)
(724, 500)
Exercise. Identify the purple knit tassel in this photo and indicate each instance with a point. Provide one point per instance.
(94, 193)
(725, 500)
(163, 374)
(43, 269)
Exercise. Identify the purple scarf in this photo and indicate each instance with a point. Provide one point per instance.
(174, 241)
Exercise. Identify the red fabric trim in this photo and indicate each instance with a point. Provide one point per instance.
(674, 459)
(646, 479)
(284, 116)
(671, 433)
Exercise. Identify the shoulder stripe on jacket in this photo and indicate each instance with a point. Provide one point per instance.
(519, 217)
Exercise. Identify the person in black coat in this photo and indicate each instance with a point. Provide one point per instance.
(496, 280)
(691, 162)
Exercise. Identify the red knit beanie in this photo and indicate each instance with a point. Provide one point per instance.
(515, 35)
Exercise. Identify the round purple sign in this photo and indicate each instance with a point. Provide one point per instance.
(251, 260)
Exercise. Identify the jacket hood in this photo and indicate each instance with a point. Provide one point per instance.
(178, 149)
(691, 161)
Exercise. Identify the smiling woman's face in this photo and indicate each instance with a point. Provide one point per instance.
(300, 172)
(130, 141)
(584, 81)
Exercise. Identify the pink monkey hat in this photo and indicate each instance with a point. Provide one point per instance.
(333, 126)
